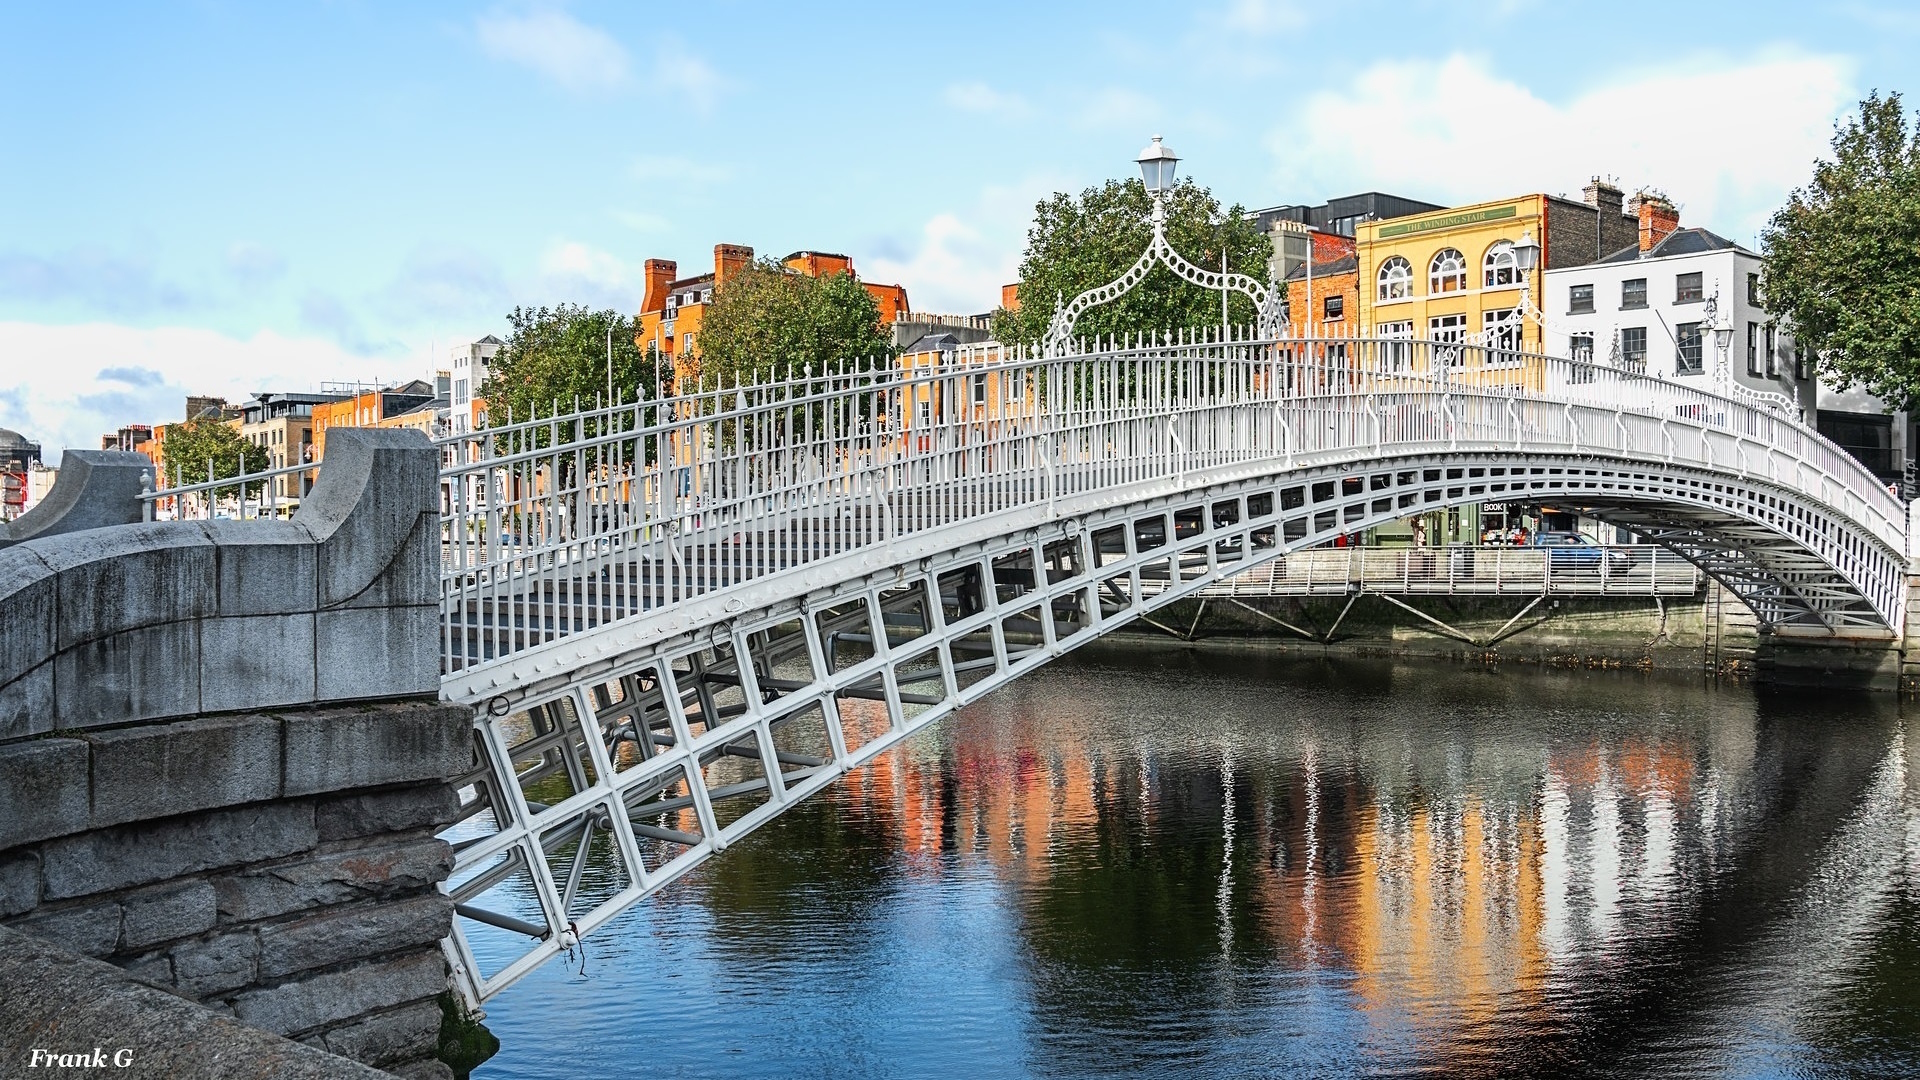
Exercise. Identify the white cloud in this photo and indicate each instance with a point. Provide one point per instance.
(249, 261)
(679, 72)
(978, 97)
(554, 44)
(578, 273)
(1727, 139)
(577, 260)
(959, 259)
(72, 384)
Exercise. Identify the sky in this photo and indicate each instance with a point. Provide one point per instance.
(225, 197)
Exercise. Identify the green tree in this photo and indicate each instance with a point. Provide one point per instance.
(190, 447)
(1076, 244)
(1842, 258)
(767, 319)
(555, 357)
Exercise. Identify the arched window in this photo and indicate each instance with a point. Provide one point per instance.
(1502, 270)
(1447, 272)
(1396, 279)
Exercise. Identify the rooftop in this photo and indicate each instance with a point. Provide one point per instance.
(1678, 242)
(1344, 265)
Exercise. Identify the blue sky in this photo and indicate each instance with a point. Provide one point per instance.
(223, 197)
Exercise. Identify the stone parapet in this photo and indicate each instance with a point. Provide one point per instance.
(157, 620)
(223, 766)
(95, 489)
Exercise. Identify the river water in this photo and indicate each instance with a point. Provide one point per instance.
(1146, 862)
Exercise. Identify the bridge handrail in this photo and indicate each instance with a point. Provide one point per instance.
(684, 496)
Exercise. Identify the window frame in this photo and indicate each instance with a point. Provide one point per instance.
(1449, 278)
(1573, 299)
(1333, 307)
(1385, 278)
(1500, 262)
(1502, 334)
(1398, 336)
(1580, 351)
(1627, 303)
(1447, 337)
(1685, 335)
(1698, 283)
(1630, 356)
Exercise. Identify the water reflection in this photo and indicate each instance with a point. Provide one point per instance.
(1142, 863)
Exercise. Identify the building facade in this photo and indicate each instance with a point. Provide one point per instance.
(672, 308)
(1323, 300)
(468, 367)
(369, 408)
(282, 425)
(1452, 275)
(1325, 233)
(1644, 309)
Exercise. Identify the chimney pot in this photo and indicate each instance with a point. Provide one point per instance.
(1658, 219)
(659, 274)
(1602, 196)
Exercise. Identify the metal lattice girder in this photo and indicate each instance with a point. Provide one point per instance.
(602, 775)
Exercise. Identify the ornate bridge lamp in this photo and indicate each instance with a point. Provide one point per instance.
(1526, 259)
(1712, 319)
(1157, 163)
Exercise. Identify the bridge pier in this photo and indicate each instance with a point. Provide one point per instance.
(223, 763)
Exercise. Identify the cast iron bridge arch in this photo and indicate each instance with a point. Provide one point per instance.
(676, 618)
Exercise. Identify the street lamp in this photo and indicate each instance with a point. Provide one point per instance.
(1526, 255)
(1157, 165)
(1713, 319)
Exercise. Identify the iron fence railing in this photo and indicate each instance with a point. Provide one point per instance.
(557, 525)
(1609, 570)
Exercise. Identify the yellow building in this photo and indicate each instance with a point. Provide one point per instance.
(976, 388)
(1450, 275)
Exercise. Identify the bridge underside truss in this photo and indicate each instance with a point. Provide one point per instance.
(601, 781)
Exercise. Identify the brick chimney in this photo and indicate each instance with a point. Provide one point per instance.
(1658, 219)
(728, 260)
(1010, 296)
(659, 274)
(1602, 196)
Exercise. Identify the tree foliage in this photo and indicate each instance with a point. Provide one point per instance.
(554, 357)
(190, 446)
(766, 319)
(1842, 258)
(1075, 244)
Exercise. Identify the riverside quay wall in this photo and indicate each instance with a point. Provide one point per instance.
(222, 766)
(1710, 631)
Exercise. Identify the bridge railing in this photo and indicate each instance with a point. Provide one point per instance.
(557, 525)
(1600, 570)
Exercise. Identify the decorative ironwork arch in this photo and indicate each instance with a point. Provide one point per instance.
(1266, 301)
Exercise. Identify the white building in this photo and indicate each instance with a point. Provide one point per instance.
(469, 366)
(1644, 308)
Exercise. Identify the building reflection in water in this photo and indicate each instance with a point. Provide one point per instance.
(1359, 865)
(1454, 862)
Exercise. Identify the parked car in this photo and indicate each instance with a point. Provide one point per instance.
(1574, 551)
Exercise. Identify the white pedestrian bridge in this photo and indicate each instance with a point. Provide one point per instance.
(675, 618)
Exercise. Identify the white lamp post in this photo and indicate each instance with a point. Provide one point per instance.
(1714, 321)
(1157, 164)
